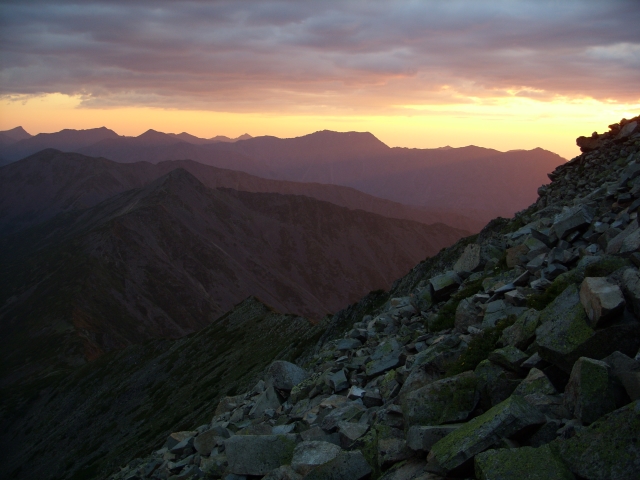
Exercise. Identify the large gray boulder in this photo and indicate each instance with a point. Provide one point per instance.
(572, 219)
(523, 332)
(310, 455)
(602, 301)
(266, 400)
(521, 463)
(442, 286)
(502, 421)
(609, 449)
(467, 314)
(284, 375)
(470, 260)
(631, 285)
(627, 371)
(536, 382)
(591, 391)
(444, 401)
(258, 454)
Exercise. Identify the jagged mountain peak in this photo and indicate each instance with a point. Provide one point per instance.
(17, 133)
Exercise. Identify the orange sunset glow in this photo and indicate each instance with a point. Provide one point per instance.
(504, 75)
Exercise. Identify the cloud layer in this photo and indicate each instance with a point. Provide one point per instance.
(350, 56)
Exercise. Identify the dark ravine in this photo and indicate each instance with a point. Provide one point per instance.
(512, 354)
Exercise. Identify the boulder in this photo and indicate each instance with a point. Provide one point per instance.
(392, 446)
(349, 411)
(601, 300)
(444, 401)
(615, 244)
(627, 371)
(348, 344)
(338, 381)
(258, 454)
(564, 329)
(266, 400)
(350, 432)
(495, 384)
(346, 466)
(502, 421)
(521, 463)
(444, 285)
(631, 285)
(609, 449)
(422, 438)
(572, 219)
(470, 260)
(517, 256)
(467, 314)
(207, 441)
(523, 332)
(309, 455)
(536, 382)
(591, 391)
(176, 437)
(509, 357)
(383, 364)
(284, 375)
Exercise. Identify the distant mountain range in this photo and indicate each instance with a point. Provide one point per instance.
(470, 181)
(138, 254)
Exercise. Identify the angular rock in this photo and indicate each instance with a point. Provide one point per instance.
(444, 401)
(444, 285)
(350, 411)
(591, 392)
(564, 329)
(627, 371)
(207, 441)
(350, 432)
(422, 438)
(420, 376)
(615, 244)
(536, 382)
(346, 466)
(509, 357)
(384, 364)
(338, 381)
(348, 344)
(550, 405)
(310, 455)
(392, 447)
(258, 454)
(265, 401)
(495, 384)
(517, 255)
(470, 260)
(177, 437)
(572, 219)
(467, 314)
(521, 463)
(601, 300)
(523, 332)
(515, 298)
(631, 285)
(502, 421)
(284, 375)
(608, 449)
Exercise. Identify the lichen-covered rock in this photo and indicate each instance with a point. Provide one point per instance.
(609, 449)
(470, 260)
(284, 472)
(266, 400)
(627, 371)
(502, 421)
(495, 384)
(601, 300)
(522, 333)
(526, 463)
(258, 454)
(564, 329)
(392, 446)
(443, 401)
(467, 314)
(509, 357)
(309, 455)
(444, 285)
(591, 391)
(536, 382)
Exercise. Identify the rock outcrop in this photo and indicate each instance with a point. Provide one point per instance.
(535, 380)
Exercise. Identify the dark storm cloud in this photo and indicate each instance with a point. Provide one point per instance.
(264, 55)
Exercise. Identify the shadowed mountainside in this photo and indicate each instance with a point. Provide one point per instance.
(167, 259)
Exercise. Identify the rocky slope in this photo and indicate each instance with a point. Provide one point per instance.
(50, 182)
(167, 259)
(513, 354)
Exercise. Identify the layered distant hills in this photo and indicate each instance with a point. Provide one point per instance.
(470, 181)
(138, 253)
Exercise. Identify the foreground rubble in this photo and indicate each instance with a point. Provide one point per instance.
(513, 354)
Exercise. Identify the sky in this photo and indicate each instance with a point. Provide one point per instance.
(504, 74)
